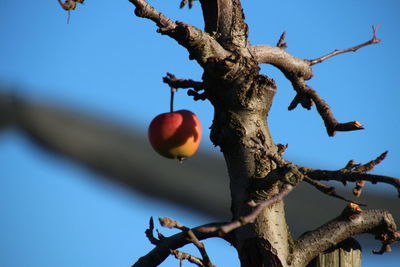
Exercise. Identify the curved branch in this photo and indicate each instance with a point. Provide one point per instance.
(351, 176)
(289, 65)
(377, 222)
(144, 10)
(306, 96)
(298, 71)
(200, 45)
(164, 246)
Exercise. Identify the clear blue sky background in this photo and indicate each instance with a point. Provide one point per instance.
(109, 62)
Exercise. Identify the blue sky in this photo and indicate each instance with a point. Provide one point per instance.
(110, 63)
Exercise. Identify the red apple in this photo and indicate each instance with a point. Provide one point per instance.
(175, 134)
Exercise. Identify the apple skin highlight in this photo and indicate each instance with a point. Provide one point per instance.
(175, 134)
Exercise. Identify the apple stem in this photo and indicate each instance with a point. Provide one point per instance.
(171, 103)
(181, 159)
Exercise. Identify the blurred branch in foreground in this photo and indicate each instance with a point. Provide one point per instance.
(124, 156)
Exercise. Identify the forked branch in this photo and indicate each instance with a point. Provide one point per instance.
(354, 173)
(191, 236)
(298, 71)
(166, 246)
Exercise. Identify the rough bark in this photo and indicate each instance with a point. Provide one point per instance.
(234, 129)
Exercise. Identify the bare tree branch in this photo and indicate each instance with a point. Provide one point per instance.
(353, 221)
(149, 233)
(173, 82)
(186, 256)
(163, 247)
(285, 62)
(298, 71)
(349, 176)
(200, 45)
(353, 173)
(374, 40)
(281, 42)
(285, 190)
(171, 223)
(306, 93)
(144, 10)
(184, 2)
(178, 254)
(329, 190)
(364, 168)
(293, 170)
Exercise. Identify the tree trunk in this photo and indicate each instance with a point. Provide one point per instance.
(239, 127)
(242, 98)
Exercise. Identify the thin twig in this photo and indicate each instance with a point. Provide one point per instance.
(281, 149)
(345, 175)
(285, 190)
(186, 256)
(149, 233)
(374, 40)
(364, 168)
(329, 190)
(281, 43)
(184, 2)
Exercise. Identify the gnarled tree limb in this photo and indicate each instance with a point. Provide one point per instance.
(298, 71)
(377, 222)
(201, 45)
